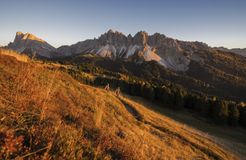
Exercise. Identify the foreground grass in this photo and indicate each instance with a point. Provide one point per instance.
(232, 138)
(46, 114)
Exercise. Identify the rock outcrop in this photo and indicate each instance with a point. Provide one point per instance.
(30, 44)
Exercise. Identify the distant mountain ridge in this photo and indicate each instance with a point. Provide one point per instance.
(240, 51)
(170, 53)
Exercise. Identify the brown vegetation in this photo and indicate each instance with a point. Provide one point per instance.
(46, 114)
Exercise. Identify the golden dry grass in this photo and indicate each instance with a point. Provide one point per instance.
(19, 57)
(232, 138)
(46, 114)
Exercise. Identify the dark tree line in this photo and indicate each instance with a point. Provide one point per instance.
(220, 111)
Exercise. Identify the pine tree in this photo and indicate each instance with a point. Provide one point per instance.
(148, 91)
(233, 114)
(220, 111)
(242, 115)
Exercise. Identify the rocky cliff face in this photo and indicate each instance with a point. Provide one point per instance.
(168, 52)
(28, 43)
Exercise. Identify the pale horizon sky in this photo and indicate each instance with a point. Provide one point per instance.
(59, 22)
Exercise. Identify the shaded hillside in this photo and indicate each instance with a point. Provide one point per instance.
(47, 114)
(221, 74)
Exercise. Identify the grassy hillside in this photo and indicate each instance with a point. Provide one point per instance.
(46, 114)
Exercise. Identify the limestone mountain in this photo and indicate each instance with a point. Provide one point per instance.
(30, 44)
(168, 52)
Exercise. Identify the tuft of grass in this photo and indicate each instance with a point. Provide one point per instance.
(99, 113)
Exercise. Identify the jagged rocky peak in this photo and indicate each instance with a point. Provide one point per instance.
(119, 39)
(111, 31)
(27, 36)
(141, 38)
(157, 39)
(113, 44)
(129, 39)
(112, 37)
(19, 33)
(18, 36)
(30, 44)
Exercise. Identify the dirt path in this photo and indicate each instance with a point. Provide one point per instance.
(132, 110)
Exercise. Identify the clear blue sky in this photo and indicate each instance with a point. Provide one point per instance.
(215, 22)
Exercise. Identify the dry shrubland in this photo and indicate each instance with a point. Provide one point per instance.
(46, 114)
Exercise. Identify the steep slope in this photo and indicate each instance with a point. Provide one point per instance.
(47, 114)
(30, 44)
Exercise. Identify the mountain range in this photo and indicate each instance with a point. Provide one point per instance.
(170, 53)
